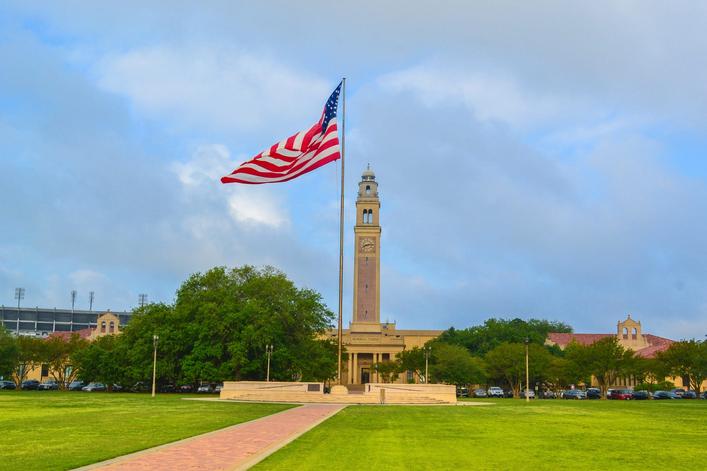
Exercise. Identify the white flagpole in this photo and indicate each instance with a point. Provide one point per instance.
(341, 226)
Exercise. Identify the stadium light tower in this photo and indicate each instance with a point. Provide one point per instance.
(142, 299)
(91, 295)
(73, 299)
(19, 296)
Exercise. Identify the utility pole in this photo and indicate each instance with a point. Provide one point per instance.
(268, 352)
(527, 375)
(155, 338)
(427, 350)
(91, 295)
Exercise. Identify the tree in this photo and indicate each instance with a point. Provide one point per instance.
(452, 364)
(8, 352)
(59, 355)
(101, 360)
(412, 360)
(30, 353)
(220, 323)
(605, 359)
(687, 358)
(387, 370)
(507, 362)
(481, 339)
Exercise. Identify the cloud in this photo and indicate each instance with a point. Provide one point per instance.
(213, 86)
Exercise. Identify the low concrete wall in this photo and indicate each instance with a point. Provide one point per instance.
(406, 393)
(374, 393)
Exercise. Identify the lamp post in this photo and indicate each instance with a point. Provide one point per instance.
(527, 376)
(427, 350)
(155, 338)
(268, 352)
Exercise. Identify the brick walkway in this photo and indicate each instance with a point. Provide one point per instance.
(236, 447)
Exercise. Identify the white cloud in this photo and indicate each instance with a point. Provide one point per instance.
(213, 86)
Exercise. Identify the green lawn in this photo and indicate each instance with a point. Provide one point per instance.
(510, 434)
(57, 430)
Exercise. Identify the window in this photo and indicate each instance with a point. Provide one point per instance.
(112, 327)
(411, 377)
(634, 333)
(103, 327)
(45, 370)
(368, 189)
(625, 333)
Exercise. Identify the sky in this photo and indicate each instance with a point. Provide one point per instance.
(535, 159)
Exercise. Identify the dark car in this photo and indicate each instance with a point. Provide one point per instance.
(48, 385)
(689, 395)
(7, 385)
(140, 387)
(462, 391)
(480, 393)
(573, 394)
(620, 394)
(76, 385)
(678, 391)
(94, 387)
(665, 395)
(640, 395)
(166, 388)
(704, 395)
(508, 394)
(29, 384)
(593, 393)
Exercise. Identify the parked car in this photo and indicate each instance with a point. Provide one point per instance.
(530, 393)
(462, 391)
(29, 384)
(593, 393)
(704, 395)
(48, 385)
(94, 387)
(573, 394)
(494, 391)
(480, 393)
(76, 385)
(640, 395)
(689, 395)
(620, 394)
(205, 388)
(116, 388)
(140, 387)
(219, 387)
(508, 393)
(547, 394)
(167, 388)
(186, 388)
(678, 391)
(665, 395)
(7, 385)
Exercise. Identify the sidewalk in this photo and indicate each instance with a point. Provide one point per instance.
(233, 448)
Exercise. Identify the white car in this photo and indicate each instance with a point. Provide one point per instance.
(494, 391)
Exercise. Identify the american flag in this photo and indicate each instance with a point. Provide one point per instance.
(296, 155)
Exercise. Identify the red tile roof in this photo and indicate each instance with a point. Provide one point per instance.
(563, 340)
(655, 344)
(83, 333)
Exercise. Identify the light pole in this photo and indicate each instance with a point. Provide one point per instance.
(427, 350)
(155, 338)
(91, 296)
(19, 296)
(268, 352)
(527, 376)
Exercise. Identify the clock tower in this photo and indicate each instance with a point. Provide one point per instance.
(367, 234)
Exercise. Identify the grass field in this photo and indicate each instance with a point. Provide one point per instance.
(508, 435)
(55, 430)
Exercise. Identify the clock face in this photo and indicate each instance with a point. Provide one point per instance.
(367, 244)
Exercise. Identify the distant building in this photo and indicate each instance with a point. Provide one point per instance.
(630, 336)
(41, 322)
